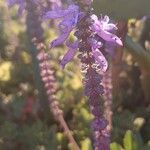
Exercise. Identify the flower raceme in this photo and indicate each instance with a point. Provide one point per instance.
(70, 17)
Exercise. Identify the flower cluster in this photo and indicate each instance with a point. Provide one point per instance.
(49, 82)
(70, 17)
(93, 39)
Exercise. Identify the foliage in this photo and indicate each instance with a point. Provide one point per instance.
(131, 141)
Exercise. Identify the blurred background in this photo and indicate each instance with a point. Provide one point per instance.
(25, 124)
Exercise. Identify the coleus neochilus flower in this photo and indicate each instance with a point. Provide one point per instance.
(103, 29)
(70, 17)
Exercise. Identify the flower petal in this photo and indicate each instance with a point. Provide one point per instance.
(55, 14)
(101, 60)
(110, 27)
(94, 17)
(107, 36)
(105, 19)
(60, 40)
(70, 54)
(94, 43)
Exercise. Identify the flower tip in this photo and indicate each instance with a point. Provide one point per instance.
(62, 65)
(51, 45)
(119, 42)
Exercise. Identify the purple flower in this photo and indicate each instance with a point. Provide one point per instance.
(70, 53)
(98, 55)
(103, 29)
(69, 18)
(100, 59)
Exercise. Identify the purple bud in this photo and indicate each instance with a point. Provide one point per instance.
(99, 124)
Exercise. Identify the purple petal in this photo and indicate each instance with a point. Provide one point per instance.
(73, 8)
(102, 27)
(70, 54)
(73, 46)
(94, 43)
(65, 26)
(110, 27)
(60, 40)
(107, 36)
(105, 19)
(110, 48)
(55, 14)
(95, 18)
(101, 60)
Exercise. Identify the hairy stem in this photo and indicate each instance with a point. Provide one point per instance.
(43, 67)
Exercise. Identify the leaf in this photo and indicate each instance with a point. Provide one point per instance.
(122, 9)
(86, 144)
(128, 140)
(138, 142)
(115, 146)
(142, 57)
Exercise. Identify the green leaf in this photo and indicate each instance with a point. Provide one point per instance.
(142, 57)
(122, 9)
(138, 142)
(128, 140)
(115, 146)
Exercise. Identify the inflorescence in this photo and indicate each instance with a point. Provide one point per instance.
(94, 40)
(93, 35)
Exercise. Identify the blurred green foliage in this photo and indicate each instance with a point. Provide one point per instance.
(122, 9)
(23, 126)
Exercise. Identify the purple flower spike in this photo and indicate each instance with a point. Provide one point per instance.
(70, 53)
(102, 28)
